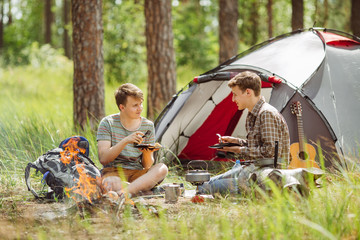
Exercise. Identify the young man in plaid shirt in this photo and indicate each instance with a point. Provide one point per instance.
(264, 126)
(264, 123)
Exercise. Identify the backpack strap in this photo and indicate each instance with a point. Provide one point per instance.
(87, 158)
(27, 179)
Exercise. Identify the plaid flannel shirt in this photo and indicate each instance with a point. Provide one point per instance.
(265, 125)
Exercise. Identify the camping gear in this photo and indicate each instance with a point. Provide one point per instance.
(65, 167)
(298, 180)
(319, 68)
(172, 193)
(197, 176)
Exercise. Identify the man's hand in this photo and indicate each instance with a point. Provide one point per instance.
(136, 137)
(229, 139)
(234, 149)
(147, 158)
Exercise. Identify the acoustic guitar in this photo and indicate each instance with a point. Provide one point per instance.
(302, 154)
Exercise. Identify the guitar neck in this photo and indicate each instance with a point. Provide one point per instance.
(300, 132)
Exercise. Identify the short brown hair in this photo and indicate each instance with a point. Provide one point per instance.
(245, 80)
(127, 89)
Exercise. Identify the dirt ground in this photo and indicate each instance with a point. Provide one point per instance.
(29, 218)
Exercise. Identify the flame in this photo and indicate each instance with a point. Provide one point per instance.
(86, 187)
(71, 151)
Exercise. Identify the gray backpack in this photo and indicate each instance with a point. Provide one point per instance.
(60, 168)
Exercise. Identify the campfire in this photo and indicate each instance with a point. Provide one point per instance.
(87, 191)
(87, 186)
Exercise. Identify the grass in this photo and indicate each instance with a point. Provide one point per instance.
(36, 114)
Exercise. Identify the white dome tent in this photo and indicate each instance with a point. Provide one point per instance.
(319, 68)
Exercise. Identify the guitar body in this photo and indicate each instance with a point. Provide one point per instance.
(302, 159)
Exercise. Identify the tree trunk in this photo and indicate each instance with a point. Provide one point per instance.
(9, 22)
(1, 24)
(297, 19)
(48, 20)
(228, 30)
(326, 12)
(67, 43)
(270, 17)
(160, 55)
(254, 21)
(88, 83)
(355, 17)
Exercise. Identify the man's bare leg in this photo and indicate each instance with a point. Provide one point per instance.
(147, 181)
(113, 183)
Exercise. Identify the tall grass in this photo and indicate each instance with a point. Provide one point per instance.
(36, 114)
(331, 212)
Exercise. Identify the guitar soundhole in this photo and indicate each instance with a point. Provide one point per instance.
(303, 155)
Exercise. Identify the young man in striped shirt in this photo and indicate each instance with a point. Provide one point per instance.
(117, 137)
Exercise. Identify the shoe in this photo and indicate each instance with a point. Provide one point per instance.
(158, 190)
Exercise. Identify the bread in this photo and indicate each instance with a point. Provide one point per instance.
(157, 145)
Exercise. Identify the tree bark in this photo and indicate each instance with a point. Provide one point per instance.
(66, 38)
(48, 20)
(10, 20)
(355, 17)
(254, 21)
(326, 12)
(160, 55)
(270, 17)
(88, 86)
(297, 19)
(228, 30)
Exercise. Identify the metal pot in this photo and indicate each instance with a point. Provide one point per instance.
(197, 176)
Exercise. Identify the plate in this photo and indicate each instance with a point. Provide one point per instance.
(221, 145)
(146, 146)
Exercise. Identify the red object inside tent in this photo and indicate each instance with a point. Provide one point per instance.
(223, 120)
(205, 136)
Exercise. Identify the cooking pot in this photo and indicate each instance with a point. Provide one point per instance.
(197, 176)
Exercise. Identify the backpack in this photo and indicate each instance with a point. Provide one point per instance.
(63, 168)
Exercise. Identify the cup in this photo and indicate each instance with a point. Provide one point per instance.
(172, 192)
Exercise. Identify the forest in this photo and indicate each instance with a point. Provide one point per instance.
(60, 62)
(32, 32)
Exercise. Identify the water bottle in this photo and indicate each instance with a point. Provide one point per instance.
(237, 164)
(235, 170)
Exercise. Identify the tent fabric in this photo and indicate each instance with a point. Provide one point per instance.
(296, 57)
(337, 40)
(219, 119)
(320, 68)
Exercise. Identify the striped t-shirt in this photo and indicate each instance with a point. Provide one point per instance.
(111, 129)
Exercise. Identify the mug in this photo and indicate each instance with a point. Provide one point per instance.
(172, 192)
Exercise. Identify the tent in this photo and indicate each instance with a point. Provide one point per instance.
(318, 69)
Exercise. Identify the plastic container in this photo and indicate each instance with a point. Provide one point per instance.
(237, 164)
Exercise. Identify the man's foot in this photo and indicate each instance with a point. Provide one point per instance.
(158, 190)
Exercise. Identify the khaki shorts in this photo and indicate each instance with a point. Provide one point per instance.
(129, 174)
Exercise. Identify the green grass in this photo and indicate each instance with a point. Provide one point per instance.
(36, 114)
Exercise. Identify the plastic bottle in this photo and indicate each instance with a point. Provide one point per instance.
(235, 170)
(237, 164)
